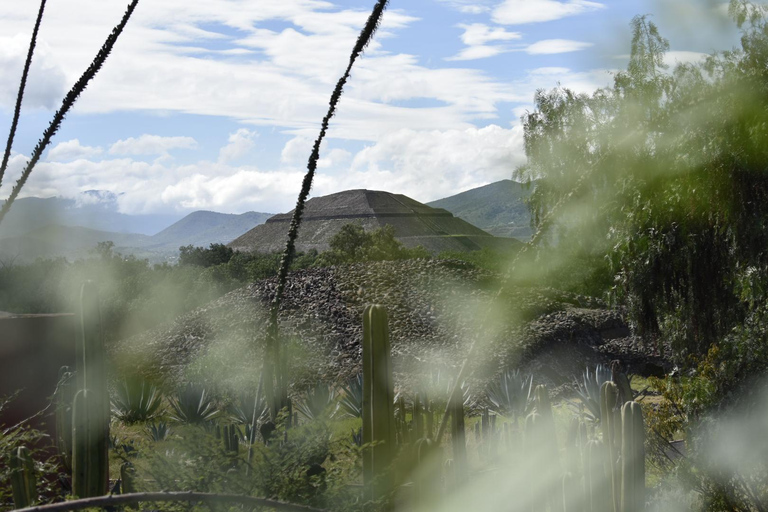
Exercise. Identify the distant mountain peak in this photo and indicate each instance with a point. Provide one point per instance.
(103, 198)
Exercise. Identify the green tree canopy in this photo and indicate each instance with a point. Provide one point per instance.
(353, 244)
(666, 174)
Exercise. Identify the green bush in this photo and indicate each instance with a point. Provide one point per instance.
(352, 244)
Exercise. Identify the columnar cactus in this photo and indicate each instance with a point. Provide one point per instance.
(378, 406)
(632, 458)
(90, 410)
(418, 418)
(65, 394)
(597, 483)
(544, 422)
(90, 468)
(230, 439)
(611, 426)
(572, 488)
(427, 471)
(458, 437)
(128, 477)
(23, 482)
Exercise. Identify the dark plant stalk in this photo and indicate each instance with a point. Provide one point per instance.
(20, 94)
(138, 497)
(274, 380)
(69, 100)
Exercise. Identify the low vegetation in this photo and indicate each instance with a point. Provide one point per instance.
(650, 193)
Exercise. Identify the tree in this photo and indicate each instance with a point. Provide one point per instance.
(216, 254)
(353, 244)
(669, 175)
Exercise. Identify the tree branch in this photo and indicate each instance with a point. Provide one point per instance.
(137, 497)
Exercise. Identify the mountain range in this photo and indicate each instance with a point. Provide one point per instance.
(55, 227)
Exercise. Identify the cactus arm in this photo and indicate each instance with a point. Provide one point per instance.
(378, 406)
(90, 409)
(610, 423)
(633, 458)
(23, 483)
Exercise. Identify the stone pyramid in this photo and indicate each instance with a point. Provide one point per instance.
(415, 224)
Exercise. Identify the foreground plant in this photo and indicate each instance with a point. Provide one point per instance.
(512, 395)
(136, 400)
(274, 370)
(588, 390)
(192, 404)
(316, 401)
(66, 105)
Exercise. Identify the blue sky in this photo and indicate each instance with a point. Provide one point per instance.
(214, 105)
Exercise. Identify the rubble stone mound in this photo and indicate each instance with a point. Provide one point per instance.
(437, 309)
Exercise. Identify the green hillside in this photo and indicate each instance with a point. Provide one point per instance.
(498, 208)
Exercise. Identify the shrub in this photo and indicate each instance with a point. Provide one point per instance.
(511, 395)
(192, 404)
(136, 400)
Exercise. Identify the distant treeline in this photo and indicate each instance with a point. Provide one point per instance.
(137, 295)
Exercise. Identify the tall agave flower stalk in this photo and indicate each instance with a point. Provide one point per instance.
(20, 95)
(66, 105)
(275, 386)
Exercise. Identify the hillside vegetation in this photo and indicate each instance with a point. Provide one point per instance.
(499, 208)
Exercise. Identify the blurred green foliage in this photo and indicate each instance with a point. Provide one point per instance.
(663, 176)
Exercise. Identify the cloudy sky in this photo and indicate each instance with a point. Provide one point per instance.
(214, 104)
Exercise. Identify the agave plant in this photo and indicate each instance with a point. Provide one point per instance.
(588, 389)
(247, 407)
(316, 400)
(158, 431)
(438, 388)
(136, 400)
(511, 396)
(192, 404)
(351, 403)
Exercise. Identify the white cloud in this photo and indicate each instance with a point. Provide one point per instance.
(518, 12)
(164, 63)
(428, 165)
(551, 46)
(296, 151)
(335, 158)
(242, 190)
(45, 86)
(151, 145)
(72, 150)
(468, 6)
(403, 162)
(477, 52)
(240, 143)
(479, 33)
(674, 58)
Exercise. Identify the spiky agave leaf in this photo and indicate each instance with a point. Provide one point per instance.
(192, 404)
(158, 431)
(512, 395)
(588, 389)
(351, 402)
(136, 400)
(316, 401)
